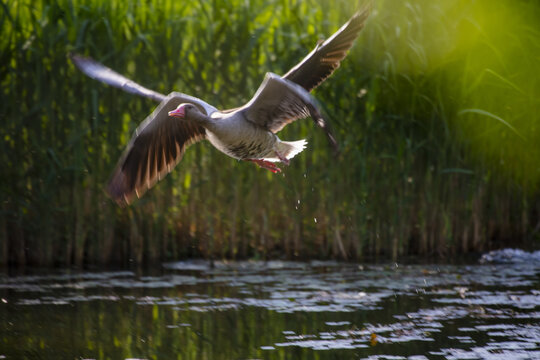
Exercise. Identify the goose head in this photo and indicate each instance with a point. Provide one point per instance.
(192, 113)
(185, 111)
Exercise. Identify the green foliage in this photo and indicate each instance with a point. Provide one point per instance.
(436, 110)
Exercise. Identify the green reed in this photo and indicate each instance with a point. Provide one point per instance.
(436, 110)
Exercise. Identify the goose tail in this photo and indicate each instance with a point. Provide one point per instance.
(290, 149)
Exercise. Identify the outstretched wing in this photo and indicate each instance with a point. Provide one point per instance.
(326, 57)
(100, 72)
(156, 147)
(279, 102)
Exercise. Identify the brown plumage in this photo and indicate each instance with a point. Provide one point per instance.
(153, 152)
(319, 64)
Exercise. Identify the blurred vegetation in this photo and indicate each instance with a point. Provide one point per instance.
(436, 109)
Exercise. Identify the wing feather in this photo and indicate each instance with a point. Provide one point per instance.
(155, 149)
(327, 56)
(279, 102)
(100, 72)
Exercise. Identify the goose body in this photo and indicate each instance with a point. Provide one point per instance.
(244, 134)
(242, 140)
(247, 133)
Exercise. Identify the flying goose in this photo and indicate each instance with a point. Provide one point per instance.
(246, 133)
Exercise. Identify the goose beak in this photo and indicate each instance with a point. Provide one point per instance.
(178, 112)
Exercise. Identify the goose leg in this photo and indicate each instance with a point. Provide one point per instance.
(265, 165)
(282, 158)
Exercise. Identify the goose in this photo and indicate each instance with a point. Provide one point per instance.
(246, 133)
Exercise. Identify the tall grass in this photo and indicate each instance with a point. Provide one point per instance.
(436, 109)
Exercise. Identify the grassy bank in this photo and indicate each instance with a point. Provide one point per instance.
(436, 110)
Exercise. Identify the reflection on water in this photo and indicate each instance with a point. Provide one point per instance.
(275, 310)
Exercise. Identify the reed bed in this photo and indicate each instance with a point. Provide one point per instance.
(436, 110)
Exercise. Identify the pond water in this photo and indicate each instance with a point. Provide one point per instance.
(275, 310)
